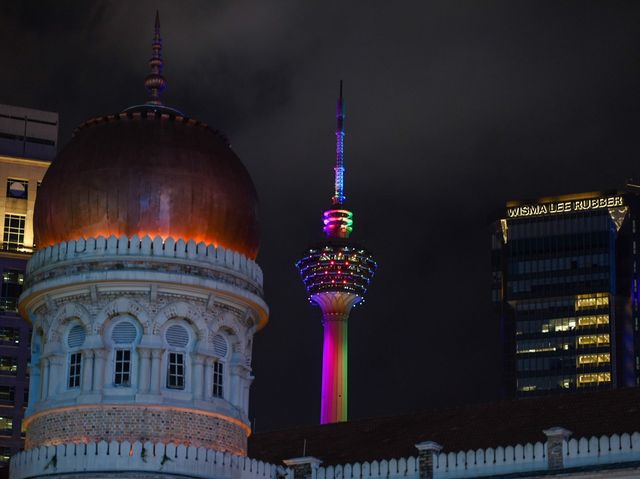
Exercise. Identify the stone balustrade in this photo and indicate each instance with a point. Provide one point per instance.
(103, 457)
(618, 451)
(101, 248)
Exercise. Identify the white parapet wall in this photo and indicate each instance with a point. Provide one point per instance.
(521, 459)
(100, 248)
(406, 468)
(167, 459)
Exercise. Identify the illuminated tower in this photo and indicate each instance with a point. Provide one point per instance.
(336, 273)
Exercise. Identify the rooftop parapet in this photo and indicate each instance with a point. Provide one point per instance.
(103, 457)
(101, 248)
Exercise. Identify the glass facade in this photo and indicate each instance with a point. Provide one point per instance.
(564, 289)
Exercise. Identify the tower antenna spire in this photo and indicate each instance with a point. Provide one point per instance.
(155, 82)
(338, 196)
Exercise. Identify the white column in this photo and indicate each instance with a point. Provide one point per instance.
(58, 375)
(198, 376)
(98, 369)
(156, 356)
(145, 370)
(235, 385)
(44, 392)
(87, 370)
(208, 377)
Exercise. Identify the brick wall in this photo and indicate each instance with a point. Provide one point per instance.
(126, 423)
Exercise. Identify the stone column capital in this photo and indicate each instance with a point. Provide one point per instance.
(428, 446)
(557, 432)
(87, 353)
(199, 358)
(156, 353)
(100, 353)
(145, 353)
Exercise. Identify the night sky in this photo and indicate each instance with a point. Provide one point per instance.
(452, 109)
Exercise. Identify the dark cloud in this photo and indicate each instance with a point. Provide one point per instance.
(452, 108)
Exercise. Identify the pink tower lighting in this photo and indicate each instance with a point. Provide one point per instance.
(336, 273)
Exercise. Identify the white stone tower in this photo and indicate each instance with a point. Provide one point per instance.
(143, 296)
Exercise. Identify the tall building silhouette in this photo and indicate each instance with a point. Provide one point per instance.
(565, 288)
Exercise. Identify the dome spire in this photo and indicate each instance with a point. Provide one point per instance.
(155, 82)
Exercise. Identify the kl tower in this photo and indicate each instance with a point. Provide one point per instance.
(336, 273)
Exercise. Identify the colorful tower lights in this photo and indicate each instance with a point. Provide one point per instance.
(336, 274)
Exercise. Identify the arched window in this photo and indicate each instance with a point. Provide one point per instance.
(75, 339)
(124, 335)
(177, 339)
(221, 349)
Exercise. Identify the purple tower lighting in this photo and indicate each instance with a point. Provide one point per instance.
(336, 273)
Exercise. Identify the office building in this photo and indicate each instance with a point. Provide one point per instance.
(28, 140)
(565, 290)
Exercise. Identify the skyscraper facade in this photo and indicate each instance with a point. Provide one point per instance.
(565, 288)
(28, 140)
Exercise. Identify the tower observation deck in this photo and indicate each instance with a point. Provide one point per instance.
(336, 273)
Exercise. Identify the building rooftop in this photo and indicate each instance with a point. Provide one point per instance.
(501, 423)
(28, 133)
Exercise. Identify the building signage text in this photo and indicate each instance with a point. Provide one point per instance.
(564, 207)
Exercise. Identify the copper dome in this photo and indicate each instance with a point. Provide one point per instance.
(148, 173)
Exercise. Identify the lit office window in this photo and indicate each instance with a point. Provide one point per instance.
(5, 454)
(12, 281)
(591, 359)
(13, 237)
(6, 425)
(9, 336)
(593, 379)
(591, 321)
(8, 366)
(17, 188)
(218, 379)
(591, 301)
(593, 340)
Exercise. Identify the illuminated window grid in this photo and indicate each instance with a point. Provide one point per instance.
(6, 425)
(591, 301)
(591, 359)
(593, 379)
(570, 323)
(175, 371)
(75, 366)
(13, 236)
(8, 365)
(595, 320)
(593, 340)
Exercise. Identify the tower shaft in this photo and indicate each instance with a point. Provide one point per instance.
(333, 406)
(335, 306)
